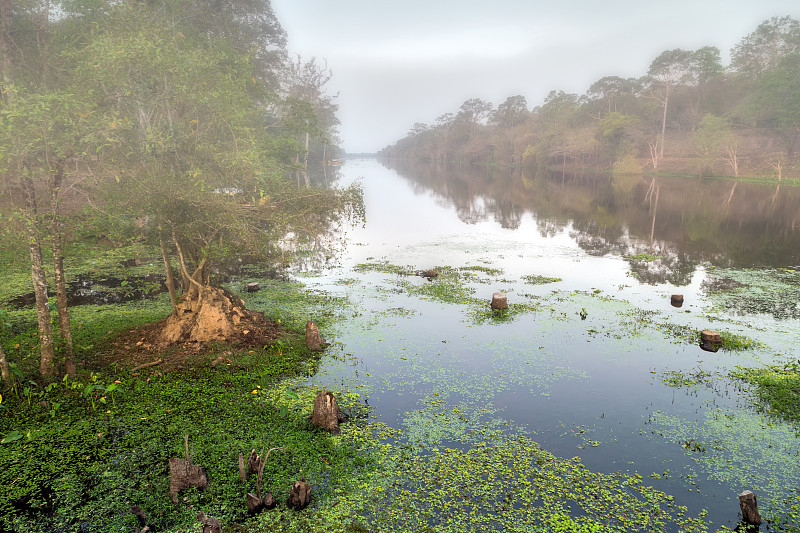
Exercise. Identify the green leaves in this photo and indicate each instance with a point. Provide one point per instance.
(12, 437)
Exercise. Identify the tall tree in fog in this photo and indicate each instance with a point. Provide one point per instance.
(306, 82)
(512, 112)
(474, 112)
(761, 50)
(666, 71)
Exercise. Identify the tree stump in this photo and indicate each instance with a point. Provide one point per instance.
(749, 507)
(255, 503)
(141, 518)
(710, 341)
(242, 471)
(326, 414)
(299, 495)
(254, 463)
(183, 474)
(313, 338)
(210, 524)
(676, 300)
(253, 286)
(499, 301)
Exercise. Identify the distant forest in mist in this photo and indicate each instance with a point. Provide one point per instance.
(689, 113)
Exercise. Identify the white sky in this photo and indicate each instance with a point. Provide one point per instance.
(404, 61)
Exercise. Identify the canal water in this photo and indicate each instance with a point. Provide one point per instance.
(592, 359)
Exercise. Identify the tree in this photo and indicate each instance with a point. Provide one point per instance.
(613, 91)
(512, 112)
(670, 68)
(716, 138)
(186, 138)
(776, 101)
(762, 50)
(474, 112)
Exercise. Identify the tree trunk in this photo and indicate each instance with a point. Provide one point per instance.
(46, 364)
(5, 370)
(170, 281)
(58, 273)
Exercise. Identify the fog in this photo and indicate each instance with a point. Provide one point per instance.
(398, 63)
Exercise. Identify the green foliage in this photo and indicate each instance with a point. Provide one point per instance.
(778, 387)
(535, 279)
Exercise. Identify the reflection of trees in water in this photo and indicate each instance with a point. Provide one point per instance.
(681, 220)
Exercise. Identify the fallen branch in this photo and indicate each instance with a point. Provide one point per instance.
(145, 365)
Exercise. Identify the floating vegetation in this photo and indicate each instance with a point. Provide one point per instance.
(642, 258)
(770, 291)
(512, 484)
(778, 388)
(535, 279)
(482, 313)
(726, 438)
(686, 379)
(384, 267)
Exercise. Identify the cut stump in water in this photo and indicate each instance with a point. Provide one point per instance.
(314, 340)
(255, 503)
(499, 301)
(183, 474)
(749, 507)
(210, 524)
(299, 495)
(676, 300)
(141, 518)
(326, 413)
(710, 341)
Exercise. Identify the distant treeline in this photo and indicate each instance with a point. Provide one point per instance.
(689, 113)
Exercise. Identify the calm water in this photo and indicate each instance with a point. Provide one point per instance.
(592, 387)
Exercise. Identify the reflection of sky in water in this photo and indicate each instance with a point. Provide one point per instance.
(578, 387)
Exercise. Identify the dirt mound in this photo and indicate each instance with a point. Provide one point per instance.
(146, 345)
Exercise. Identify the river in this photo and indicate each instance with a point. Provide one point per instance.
(592, 360)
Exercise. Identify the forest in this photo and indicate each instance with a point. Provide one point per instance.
(687, 114)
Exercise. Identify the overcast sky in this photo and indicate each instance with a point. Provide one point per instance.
(404, 61)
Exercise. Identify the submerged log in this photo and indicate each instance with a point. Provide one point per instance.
(326, 413)
(749, 507)
(499, 301)
(313, 338)
(299, 495)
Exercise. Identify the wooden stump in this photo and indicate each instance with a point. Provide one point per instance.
(255, 503)
(676, 300)
(499, 301)
(313, 338)
(210, 524)
(299, 495)
(710, 341)
(326, 412)
(253, 286)
(749, 507)
(254, 463)
(141, 518)
(183, 474)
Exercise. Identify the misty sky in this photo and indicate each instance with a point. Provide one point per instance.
(400, 62)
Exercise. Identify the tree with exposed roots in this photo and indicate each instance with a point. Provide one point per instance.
(186, 148)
